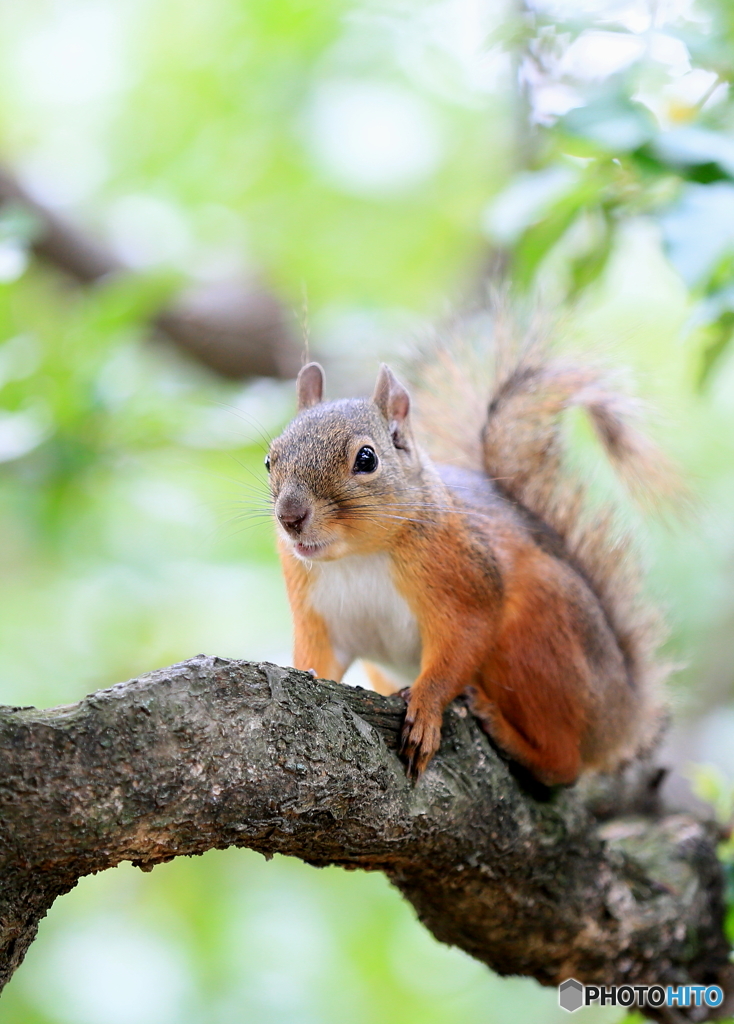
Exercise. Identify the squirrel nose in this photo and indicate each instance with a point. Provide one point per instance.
(293, 515)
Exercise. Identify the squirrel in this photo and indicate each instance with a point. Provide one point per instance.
(481, 577)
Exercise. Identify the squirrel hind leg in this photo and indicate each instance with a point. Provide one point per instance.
(381, 682)
(557, 765)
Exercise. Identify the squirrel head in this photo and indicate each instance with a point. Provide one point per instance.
(344, 476)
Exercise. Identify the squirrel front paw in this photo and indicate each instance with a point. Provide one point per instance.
(421, 736)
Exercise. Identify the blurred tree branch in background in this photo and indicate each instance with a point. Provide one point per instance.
(235, 330)
(212, 753)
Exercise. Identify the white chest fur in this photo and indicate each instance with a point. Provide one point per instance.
(365, 614)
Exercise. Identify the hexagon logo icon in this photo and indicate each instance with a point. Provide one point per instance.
(570, 995)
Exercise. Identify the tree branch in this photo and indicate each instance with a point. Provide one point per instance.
(234, 329)
(213, 753)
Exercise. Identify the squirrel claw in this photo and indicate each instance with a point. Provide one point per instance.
(420, 739)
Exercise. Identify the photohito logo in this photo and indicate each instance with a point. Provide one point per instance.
(572, 995)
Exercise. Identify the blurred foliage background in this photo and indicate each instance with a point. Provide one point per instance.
(371, 162)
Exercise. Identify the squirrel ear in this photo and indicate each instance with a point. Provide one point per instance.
(393, 401)
(310, 386)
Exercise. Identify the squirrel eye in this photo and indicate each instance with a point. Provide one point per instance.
(267, 463)
(366, 460)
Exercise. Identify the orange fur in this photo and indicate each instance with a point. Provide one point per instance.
(378, 679)
(312, 650)
(501, 601)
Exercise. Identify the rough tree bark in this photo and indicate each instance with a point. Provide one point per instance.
(235, 329)
(213, 753)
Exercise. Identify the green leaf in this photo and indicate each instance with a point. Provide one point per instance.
(719, 335)
(588, 267)
(540, 238)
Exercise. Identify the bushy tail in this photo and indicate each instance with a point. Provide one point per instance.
(523, 439)
(508, 378)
